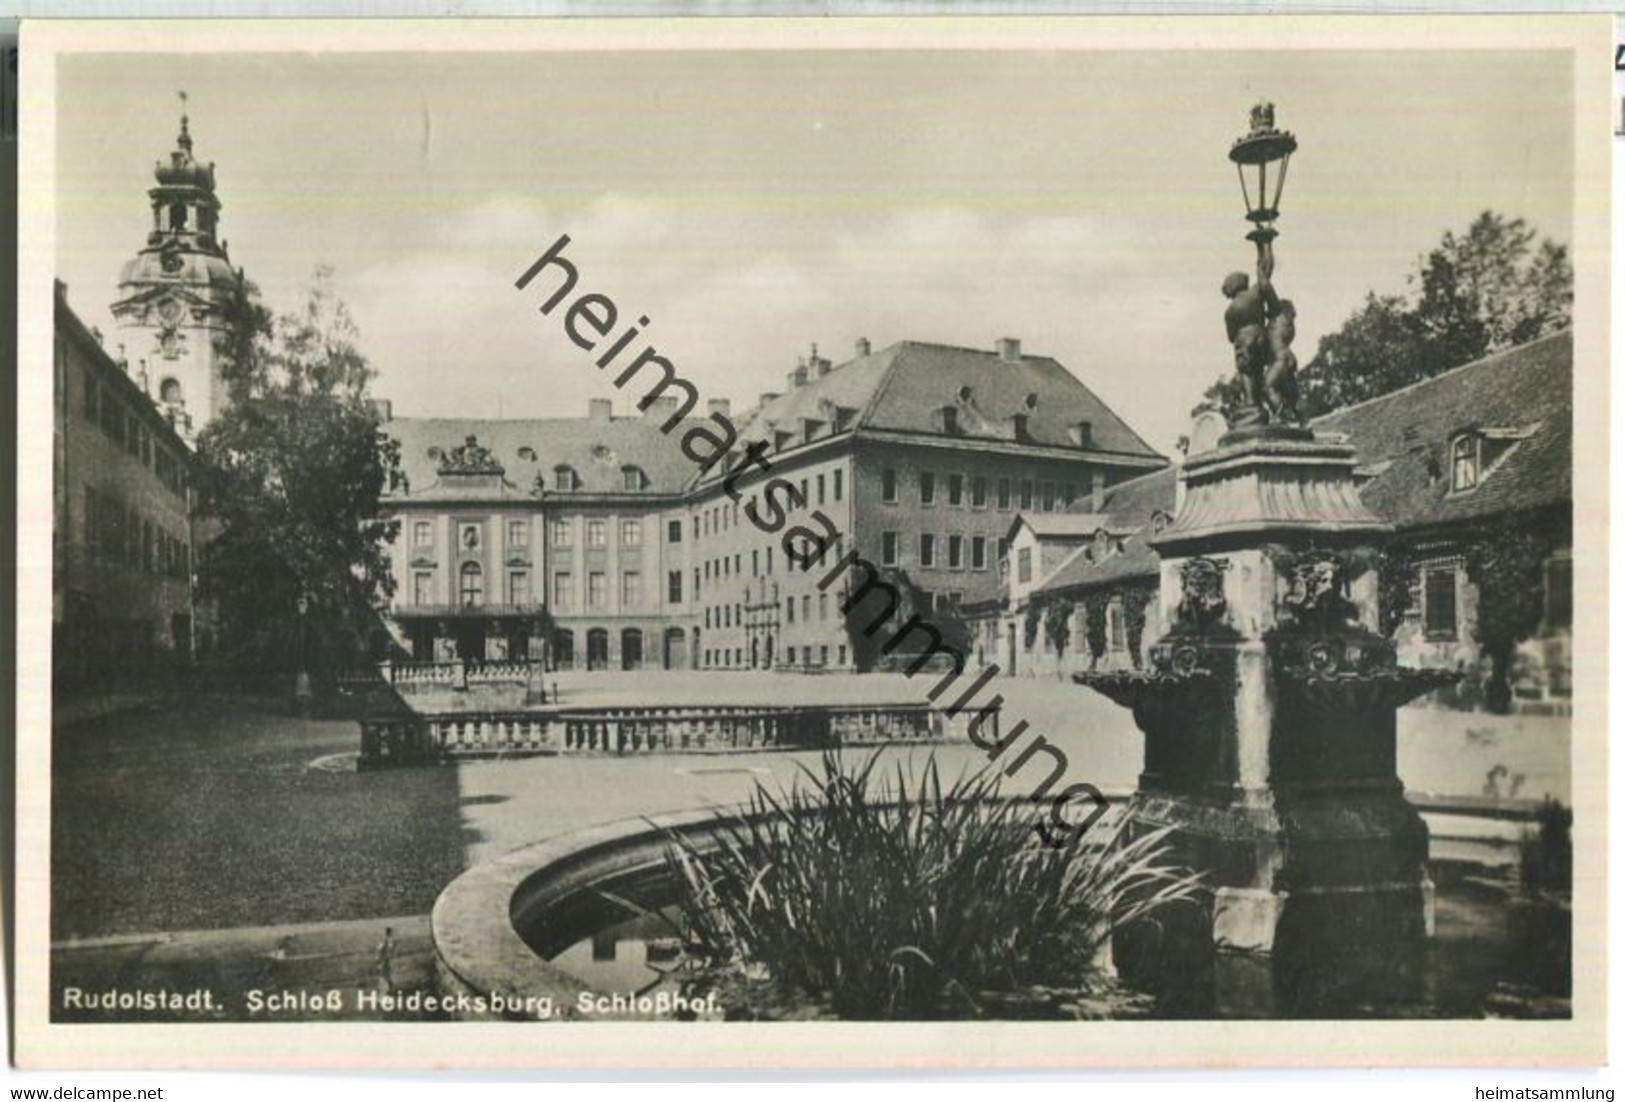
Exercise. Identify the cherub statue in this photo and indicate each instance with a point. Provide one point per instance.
(1281, 375)
(1246, 323)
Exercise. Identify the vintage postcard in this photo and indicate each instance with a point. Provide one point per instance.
(948, 543)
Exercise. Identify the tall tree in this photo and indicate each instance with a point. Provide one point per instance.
(293, 471)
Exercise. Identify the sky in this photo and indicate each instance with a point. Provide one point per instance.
(754, 203)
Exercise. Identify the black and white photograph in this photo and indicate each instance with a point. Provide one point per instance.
(859, 531)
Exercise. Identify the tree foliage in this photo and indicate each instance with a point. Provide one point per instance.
(1476, 293)
(1094, 625)
(293, 470)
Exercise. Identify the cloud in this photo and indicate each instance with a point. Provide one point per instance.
(736, 292)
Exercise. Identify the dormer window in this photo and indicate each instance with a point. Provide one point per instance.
(527, 454)
(632, 479)
(1464, 463)
(1083, 434)
(950, 420)
(564, 478)
(1018, 426)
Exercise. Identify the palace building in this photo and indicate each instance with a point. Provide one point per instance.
(920, 454)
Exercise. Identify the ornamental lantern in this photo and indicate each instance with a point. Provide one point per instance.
(1262, 147)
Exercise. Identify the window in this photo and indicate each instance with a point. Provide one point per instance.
(1004, 493)
(471, 593)
(978, 552)
(928, 487)
(519, 587)
(888, 548)
(755, 562)
(1026, 493)
(422, 533)
(674, 587)
(820, 489)
(470, 537)
(597, 589)
(518, 533)
(840, 651)
(1004, 552)
(978, 492)
(1464, 464)
(631, 479)
(595, 533)
(1024, 565)
(1069, 494)
(950, 420)
(790, 610)
(956, 489)
(564, 478)
(823, 654)
(888, 485)
(563, 590)
(956, 552)
(823, 606)
(1559, 591)
(1115, 635)
(631, 533)
(928, 549)
(561, 532)
(1439, 603)
(770, 560)
(1048, 498)
(674, 531)
(838, 480)
(790, 655)
(631, 588)
(806, 608)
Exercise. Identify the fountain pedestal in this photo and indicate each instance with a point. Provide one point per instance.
(1269, 718)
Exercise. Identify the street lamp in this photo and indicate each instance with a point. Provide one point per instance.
(301, 683)
(1261, 147)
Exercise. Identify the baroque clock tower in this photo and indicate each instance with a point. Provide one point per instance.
(175, 295)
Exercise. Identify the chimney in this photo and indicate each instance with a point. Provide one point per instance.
(817, 365)
(599, 409)
(798, 377)
(661, 408)
(718, 407)
(862, 347)
(384, 410)
(1010, 350)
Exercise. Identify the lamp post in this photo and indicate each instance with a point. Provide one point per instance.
(301, 682)
(1268, 151)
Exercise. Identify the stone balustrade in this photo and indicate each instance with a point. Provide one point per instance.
(634, 730)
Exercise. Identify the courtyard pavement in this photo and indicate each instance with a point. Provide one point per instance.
(226, 844)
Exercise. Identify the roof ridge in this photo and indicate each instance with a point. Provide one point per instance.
(1567, 330)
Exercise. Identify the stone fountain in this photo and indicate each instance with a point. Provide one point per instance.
(1269, 707)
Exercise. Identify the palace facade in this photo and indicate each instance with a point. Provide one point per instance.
(596, 542)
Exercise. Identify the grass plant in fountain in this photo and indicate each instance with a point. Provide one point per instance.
(867, 893)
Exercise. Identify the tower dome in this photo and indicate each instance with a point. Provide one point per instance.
(175, 294)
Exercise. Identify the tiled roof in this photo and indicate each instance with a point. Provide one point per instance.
(1403, 440)
(1065, 525)
(922, 378)
(904, 388)
(1403, 434)
(596, 449)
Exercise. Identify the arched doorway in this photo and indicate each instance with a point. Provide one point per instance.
(597, 649)
(676, 649)
(631, 649)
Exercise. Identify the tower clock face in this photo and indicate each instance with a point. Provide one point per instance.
(169, 310)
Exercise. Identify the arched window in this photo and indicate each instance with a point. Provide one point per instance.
(471, 592)
(1464, 463)
(169, 391)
